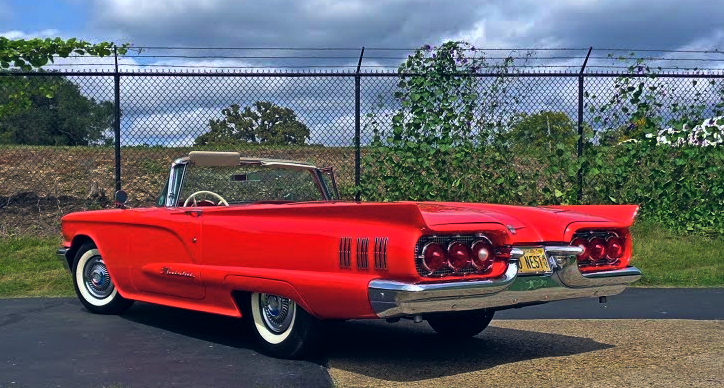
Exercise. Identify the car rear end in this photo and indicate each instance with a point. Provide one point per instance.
(489, 265)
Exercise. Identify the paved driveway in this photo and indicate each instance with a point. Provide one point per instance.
(56, 343)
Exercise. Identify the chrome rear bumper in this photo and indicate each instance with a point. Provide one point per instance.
(390, 299)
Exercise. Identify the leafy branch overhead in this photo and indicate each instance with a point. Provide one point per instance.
(36, 53)
(263, 122)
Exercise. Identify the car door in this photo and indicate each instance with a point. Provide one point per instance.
(164, 252)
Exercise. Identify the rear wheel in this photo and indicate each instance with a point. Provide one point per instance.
(93, 283)
(282, 328)
(461, 324)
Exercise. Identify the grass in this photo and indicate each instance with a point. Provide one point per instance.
(668, 259)
(28, 265)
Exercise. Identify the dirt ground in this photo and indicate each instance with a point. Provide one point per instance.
(541, 353)
(28, 214)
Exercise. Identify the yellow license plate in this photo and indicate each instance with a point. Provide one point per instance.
(533, 261)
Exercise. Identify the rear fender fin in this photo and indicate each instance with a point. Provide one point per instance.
(623, 215)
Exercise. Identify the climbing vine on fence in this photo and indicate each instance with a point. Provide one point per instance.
(450, 141)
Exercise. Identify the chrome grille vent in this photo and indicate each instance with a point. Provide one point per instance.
(345, 249)
(363, 248)
(381, 252)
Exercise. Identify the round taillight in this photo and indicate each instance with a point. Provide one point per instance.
(614, 247)
(458, 256)
(583, 243)
(597, 248)
(434, 257)
(482, 255)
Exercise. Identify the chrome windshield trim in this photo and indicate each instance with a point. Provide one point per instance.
(171, 197)
(316, 172)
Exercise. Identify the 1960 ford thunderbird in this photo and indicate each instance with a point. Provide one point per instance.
(269, 240)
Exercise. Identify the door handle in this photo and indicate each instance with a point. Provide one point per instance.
(193, 213)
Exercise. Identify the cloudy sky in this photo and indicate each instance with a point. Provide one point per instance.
(610, 24)
(657, 24)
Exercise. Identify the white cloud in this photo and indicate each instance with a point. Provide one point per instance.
(174, 129)
(17, 34)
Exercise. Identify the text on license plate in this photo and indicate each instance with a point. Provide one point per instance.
(533, 261)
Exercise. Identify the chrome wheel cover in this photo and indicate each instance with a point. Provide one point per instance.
(96, 279)
(277, 312)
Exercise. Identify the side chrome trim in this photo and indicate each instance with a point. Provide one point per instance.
(61, 253)
(390, 299)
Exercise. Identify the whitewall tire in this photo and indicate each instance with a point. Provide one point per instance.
(93, 283)
(282, 328)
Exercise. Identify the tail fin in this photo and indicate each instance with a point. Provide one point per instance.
(624, 214)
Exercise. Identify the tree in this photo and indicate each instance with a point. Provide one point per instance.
(544, 130)
(29, 54)
(263, 122)
(63, 118)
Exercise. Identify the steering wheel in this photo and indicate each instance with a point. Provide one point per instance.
(193, 196)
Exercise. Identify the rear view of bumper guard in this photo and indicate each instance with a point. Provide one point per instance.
(391, 299)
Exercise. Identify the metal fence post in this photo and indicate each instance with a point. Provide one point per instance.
(580, 125)
(117, 119)
(357, 130)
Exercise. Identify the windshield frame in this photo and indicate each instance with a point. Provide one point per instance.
(177, 179)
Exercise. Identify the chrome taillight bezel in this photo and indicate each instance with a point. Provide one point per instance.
(491, 253)
(447, 241)
(422, 257)
(585, 260)
(449, 262)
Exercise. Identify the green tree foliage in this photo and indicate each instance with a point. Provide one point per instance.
(63, 118)
(545, 130)
(434, 151)
(29, 54)
(263, 122)
(442, 141)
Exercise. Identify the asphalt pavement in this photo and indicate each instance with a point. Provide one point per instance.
(55, 342)
(634, 303)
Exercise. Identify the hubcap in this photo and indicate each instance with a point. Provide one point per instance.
(276, 311)
(96, 278)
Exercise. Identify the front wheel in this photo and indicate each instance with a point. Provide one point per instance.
(282, 328)
(461, 324)
(93, 283)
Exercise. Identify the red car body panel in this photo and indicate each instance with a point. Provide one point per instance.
(196, 257)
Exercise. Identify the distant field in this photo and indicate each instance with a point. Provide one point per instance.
(76, 171)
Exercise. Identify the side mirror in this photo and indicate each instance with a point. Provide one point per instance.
(121, 199)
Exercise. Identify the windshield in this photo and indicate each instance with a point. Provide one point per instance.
(246, 184)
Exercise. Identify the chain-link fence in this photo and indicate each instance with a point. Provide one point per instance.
(79, 136)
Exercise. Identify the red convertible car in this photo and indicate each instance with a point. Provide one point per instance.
(271, 241)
